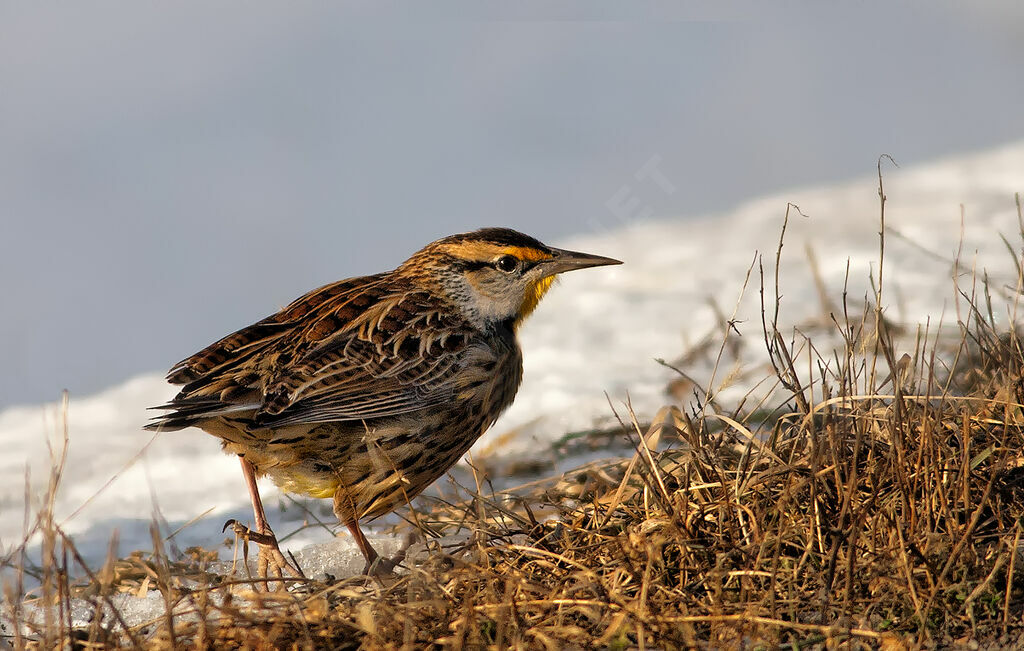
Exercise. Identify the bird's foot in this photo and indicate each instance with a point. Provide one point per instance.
(380, 567)
(270, 563)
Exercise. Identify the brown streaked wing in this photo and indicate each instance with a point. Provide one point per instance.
(230, 375)
(348, 351)
(399, 356)
(233, 349)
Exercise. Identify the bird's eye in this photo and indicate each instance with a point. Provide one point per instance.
(507, 263)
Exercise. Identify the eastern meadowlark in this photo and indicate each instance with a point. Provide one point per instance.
(369, 389)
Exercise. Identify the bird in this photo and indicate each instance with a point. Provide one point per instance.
(368, 389)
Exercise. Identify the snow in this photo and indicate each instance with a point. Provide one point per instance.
(599, 331)
(333, 558)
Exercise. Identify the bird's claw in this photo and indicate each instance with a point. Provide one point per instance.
(270, 563)
(385, 567)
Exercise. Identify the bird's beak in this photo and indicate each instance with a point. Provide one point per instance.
(568, 260)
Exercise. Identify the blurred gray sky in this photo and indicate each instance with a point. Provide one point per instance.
(169, 173)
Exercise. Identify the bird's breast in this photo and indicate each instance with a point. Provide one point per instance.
(489, 379)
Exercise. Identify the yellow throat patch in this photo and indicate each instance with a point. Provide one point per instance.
(533, 295)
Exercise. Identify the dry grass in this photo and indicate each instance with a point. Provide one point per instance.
(874, 500)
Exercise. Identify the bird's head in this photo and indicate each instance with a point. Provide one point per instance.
(495, 275)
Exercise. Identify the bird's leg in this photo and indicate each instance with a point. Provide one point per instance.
(345, 508)
(270, 556)
(369, 553)
(375, 564)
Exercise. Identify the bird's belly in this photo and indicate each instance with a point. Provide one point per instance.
(371, 470)
(313, 485)
(371, 467)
